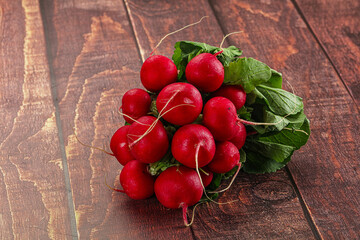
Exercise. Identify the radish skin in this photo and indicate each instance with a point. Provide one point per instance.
(205, 72)
(135, 103)
(178, 187)
(219, 116)
(148, 145)
(226, 157)
(120, 147)
(136, 180)
(186, 103)
(156, 72)
(240, 135)
(185, 141)
(235, 93)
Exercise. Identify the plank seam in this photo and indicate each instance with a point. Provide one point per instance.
(70, 199)
(127, 9)
(306, 211)
(298, 9)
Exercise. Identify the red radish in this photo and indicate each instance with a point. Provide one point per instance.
(148, 143)
(206, 176)
(178, 187)
(235, 94)
(135, 103)
(240, 135)
(220, 117)
(226, 157)
(156, 72)
(185, 141)
(179, 103)
(119, 146)
(205, 72)
(136, 180)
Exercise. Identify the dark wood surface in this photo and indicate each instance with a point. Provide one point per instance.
(65, 66)
(335, 25)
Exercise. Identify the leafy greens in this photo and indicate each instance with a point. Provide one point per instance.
(287, 127)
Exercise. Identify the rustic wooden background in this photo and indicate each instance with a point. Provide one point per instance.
(66, 64)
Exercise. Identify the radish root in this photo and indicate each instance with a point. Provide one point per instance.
(222, 42)
(162, 39)
(133, 119)
(232, 180)
(202, 184)
(114, 189)
(185, 208)
(89, 146)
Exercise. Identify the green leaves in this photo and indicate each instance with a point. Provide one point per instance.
(247, 72)
(187, 50)
(273, 150)
(280, 101)
(260, 164)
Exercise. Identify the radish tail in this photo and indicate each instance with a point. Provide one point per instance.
(133, 119)
(185, 208)
(114, 189)
(232, 180)
(192, 24)
(222, 42)
(89, 146)
(198, 172)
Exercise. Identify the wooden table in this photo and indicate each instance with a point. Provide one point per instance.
(66, 64)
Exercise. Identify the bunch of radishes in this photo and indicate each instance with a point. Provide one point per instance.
(193, 122)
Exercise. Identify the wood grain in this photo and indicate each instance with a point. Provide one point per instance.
(326, 170)
(95, 61)
(336, 25)
(33, 197)
(260, 213)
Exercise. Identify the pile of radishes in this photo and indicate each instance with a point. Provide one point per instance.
(205, 137)
(185, 129)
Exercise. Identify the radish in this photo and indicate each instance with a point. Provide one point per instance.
(179, 103)
(148, 142)
(226, 157)
(135, 104)
(156, 72)
(120, 147)
(205, 72)
(220, 117)
(235, 93)
(178, 187)
(136, 180)
(185, 141)
(240, 135)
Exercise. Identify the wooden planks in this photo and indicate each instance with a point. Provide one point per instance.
(95, 60)
(336, 25)
(326, 170)
(95, 57)
(33, 195)
(259, 213)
